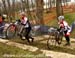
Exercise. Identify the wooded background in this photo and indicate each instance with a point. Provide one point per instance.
(35, 9)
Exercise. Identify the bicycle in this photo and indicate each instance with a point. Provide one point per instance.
(13, 30)
(55, 37)
(10, 31)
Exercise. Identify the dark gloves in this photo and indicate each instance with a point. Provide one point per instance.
(23, 24)
(18, 20)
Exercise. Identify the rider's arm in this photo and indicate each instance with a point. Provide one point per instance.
(67, 27)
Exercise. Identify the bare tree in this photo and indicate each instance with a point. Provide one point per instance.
(32, 5)
(18, 7)
(49, 6)
(13, 9)
(28, 9)
(59, 9)
(1, 8)
(8, 8)
(46, 4)
(4, 6)
(39, 11)
(23, 5)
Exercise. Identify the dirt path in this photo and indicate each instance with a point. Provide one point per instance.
(49, 53)
(44, 38)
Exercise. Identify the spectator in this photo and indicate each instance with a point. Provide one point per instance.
(1, 26)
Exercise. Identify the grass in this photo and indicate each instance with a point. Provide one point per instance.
(37, 43)
(70, 17)
(11, 50)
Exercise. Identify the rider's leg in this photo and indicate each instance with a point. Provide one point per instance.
(27, 34)
(67, 38)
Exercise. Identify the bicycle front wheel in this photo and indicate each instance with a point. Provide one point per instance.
(51, 41)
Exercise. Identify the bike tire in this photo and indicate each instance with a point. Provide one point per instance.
(51, 42)
(10, 34)
(60, 39)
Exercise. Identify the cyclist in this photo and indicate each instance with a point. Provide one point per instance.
(2, 17)
(67, 29)
(25, 22)
(1, 24)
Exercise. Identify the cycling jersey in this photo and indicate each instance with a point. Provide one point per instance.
(25, 21)
(66, 27)
(1, 20)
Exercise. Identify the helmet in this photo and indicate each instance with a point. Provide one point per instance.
(61, 18)
(22, 13)
(4, 15)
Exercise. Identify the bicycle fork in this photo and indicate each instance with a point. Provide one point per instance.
(21, 30)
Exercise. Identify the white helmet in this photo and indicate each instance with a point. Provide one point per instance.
(4, 15)
(22, 13)
(60, 17)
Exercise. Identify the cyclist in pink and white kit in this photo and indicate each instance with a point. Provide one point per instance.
(25, 22)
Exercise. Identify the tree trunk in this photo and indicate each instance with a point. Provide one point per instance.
(4, 6)
(13, 9)
(39, 11)
(59, 9)
(28, 9)
(23, 5)
(9, 11)
(50, 7)
(46, 5)
(0, 8)
(32, 5)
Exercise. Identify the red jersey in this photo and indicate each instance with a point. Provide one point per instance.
(1, 20)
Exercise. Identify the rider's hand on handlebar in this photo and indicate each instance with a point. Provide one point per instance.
(22, 24)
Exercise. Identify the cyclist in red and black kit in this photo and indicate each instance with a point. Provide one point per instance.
(1, 24)
(67, 29)
(2, 18)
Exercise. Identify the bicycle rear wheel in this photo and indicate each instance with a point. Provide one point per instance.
(11, 31)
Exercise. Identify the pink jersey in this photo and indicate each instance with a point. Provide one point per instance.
(24, 21)
(65, 25)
